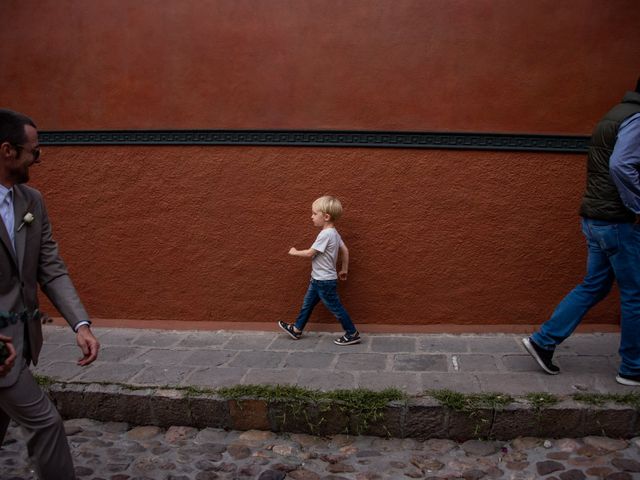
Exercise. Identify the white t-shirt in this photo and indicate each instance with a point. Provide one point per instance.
(323, 264)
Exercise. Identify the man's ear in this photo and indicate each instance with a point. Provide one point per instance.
(5, 149)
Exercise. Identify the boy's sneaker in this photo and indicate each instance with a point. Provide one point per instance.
(348, 339)
(542, 356)
(630, 380)
(288, 327)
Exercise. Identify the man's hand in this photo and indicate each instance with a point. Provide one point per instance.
(88, 344)
(342, 275)
(7, 365)
(293, 251)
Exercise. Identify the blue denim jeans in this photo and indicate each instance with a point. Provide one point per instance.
(327, 291)
(613, 254)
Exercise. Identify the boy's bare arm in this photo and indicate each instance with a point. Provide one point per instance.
(344, 253)
(310, 252)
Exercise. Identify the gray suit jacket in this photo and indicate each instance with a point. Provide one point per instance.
(34, 261)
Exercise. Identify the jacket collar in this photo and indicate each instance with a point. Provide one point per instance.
(4, 235)
(631, 97)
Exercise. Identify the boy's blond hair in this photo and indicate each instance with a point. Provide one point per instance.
(330, 205)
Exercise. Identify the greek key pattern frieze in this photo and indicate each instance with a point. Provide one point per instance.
(301, 138)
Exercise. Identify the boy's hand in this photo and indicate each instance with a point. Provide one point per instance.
(342, 275)
(7, 363)
(293, 251)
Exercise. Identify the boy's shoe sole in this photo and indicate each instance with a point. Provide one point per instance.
(343, 341)
(532, 351)
(288, 328)
(630, 382)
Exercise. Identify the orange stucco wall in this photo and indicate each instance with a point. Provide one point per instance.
(459, 65)
(202, 233)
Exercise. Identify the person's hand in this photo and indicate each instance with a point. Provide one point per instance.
(88, 344)
(292, 251)
(342, 275)
(7, 365)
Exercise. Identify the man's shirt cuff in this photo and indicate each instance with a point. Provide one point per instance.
(79, 324)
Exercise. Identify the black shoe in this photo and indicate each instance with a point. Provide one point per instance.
(629, 380)
(348, 339)
(542, 356)
(287, 327)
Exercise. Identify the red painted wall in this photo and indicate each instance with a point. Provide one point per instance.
(199, 233)
(202, 233)
(460, 65)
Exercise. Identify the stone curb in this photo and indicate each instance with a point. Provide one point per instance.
(420, 418)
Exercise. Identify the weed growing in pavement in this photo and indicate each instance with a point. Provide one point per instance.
(270, 393)
(365, 407)
(468, 402)
(631, 399)
(45, 382)
(597, 399)
(473, 404)
(195, 391)
(362, 407)
(541, 400)
(42, 380)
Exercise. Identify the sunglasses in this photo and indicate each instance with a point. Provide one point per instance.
(35, 152)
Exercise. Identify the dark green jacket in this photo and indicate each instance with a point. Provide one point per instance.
(601, 200)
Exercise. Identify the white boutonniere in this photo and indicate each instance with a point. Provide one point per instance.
(26, 220)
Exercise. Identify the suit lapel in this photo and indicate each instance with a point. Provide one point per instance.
(6, 240)
(20, 208)
(4, 237)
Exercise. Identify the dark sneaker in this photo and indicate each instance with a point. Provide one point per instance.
(542, 356)
(288, 327)
(630, 380)
(348, 339)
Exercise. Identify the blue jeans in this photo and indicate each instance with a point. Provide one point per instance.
(613, 254)
(327, 291)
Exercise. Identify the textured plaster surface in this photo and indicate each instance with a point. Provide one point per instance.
(202, 233)
(481, 65)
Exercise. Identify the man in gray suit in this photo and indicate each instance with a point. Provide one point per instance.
(28, 257)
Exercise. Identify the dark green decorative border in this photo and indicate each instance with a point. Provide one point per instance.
(302, 138)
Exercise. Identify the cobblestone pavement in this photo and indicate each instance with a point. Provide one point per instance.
(116, 451)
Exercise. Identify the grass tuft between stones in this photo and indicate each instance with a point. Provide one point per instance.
(43, 380)
(464, 402)
(357, 398)
(363, 407)
(631, 399)
(541, 400)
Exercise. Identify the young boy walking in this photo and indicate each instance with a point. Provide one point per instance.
(325, 211)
